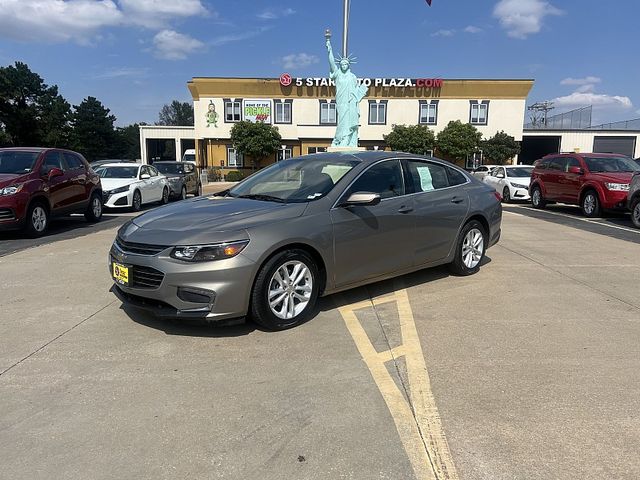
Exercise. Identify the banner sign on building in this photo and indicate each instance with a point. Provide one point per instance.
(286, 80)
(256, 110)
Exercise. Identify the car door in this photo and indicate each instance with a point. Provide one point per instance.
(569, 183)
(441, 205)
(552, 177)
(190, 178)
(78, 177)
(61, 186)
(371, 241)
(146, 185)
(156, 181)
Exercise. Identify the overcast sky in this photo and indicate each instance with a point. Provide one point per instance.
(136, 55)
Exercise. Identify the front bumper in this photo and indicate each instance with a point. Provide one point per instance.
(614, 200)
(117, 200)
(519, 193)
(213, 291)
(13, 211)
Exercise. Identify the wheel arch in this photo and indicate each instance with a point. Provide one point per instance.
(40, 198)
(587, 188)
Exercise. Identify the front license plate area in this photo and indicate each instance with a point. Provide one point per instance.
(120, 273)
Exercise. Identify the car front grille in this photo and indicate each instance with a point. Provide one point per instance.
(6, 214)
(139, 248)
(146, 277)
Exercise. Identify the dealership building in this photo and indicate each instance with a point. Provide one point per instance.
(304, 111)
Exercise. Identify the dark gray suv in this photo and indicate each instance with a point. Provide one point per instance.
(634, 200)
(303, 228)
(182, 178)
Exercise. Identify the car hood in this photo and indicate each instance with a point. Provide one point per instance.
(8, 179)
(520, 180)
(113, 183)
(622, 177)
(206, 219)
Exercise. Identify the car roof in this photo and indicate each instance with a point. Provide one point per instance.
(369, 156)
(121, 164)
(585, 154)
(26, 149)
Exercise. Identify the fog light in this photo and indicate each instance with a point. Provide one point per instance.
(196, 296)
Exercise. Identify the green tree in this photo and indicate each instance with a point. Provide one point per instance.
(416, 139)
(93, 133)
(176, 113)
(128, 141)
(32, 112)
(458, 140)
(500, 148)
(255, 140)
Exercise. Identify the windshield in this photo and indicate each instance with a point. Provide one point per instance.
(17, 162)
(118, 172)
(296, 180)
(611, 164)
(519, 172)
(169, 167)
(189, 157)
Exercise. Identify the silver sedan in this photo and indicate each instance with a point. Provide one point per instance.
(303, 228)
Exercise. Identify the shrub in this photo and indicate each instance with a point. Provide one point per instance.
(234, 176)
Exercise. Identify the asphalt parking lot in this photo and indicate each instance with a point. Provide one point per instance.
(528, 370)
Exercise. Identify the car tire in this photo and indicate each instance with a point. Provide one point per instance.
(198, 190)
(506, 195)
(537, 199)
(183, 193)
(93, 213)
(136, 203)
(470, 249)
(165, 196)
(590, 204)
(37, 219)
(635, 212)
(274, 289)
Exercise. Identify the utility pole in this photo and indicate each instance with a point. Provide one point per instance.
(345, 27)
(544, 107)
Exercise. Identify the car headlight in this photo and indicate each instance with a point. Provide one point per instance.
(519, 185)
(11, 190)
(207, 253)
(617, 187)
(120, 190)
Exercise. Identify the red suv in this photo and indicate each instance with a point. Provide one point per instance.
(38, 183)
(595, 181)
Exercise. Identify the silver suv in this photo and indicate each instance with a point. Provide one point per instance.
(633, 201)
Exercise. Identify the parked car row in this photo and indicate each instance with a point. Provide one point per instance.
(594, 181)
(37, 184)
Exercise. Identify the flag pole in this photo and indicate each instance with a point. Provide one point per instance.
(345, 29)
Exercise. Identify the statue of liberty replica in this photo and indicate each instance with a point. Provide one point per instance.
(349, 93)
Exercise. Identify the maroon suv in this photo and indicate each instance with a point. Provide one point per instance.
(38, 183)
(595, 181)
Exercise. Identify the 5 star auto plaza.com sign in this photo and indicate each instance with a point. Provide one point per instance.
(287, 80)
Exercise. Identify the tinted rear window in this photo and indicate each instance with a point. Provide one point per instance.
(17, 162)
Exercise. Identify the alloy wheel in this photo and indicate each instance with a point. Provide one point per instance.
(96, 206)
(290, 290)
(536, 197)
(635, 214)
(589, 203)
(137, 201)
(472, 248)
(39, 219)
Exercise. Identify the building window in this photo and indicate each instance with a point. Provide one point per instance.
(479, 113)
(428, 112)
(284, 154)
(234, 159)
(232, 110)
(316, 149)
(283, 111)
(328, 114)
(377, 112)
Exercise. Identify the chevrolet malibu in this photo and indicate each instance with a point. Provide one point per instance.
(300, 229)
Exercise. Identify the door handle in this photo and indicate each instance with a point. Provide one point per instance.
(405, 209)
(457, 200)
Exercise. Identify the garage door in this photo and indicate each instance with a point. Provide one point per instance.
(621, 145)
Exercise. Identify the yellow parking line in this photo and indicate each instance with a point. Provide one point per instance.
(417, 421)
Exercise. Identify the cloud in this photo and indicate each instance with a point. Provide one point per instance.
(56, 20)
(224, 39)
(521, 18)
(444, 33)
(581, 81)
(273, 14)
(583, 99)
(81, 20)
(473, 29)
(122, 72)
(171, 45)
(297, 61)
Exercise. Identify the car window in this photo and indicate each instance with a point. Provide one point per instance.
(494, 172)
(73, 162)
(427, 176)
(384, 178)
(188, 168)
(482, 169)
(52, 160)
(153, 172)
(456, 177)
(571, 162)
(144, 170)
(556, 163)
(610, 164)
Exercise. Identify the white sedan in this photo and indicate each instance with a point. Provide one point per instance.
(512, 182)
(132, 185)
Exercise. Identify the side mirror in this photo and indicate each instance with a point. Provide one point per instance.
(362, 199)
(576, 170)
(145, 176)
(54, 172)
(500, 175)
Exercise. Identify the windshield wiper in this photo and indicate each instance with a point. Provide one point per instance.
(260, 196)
